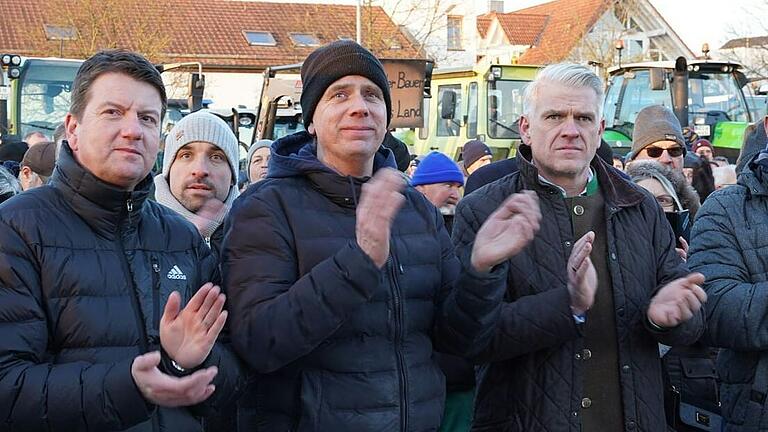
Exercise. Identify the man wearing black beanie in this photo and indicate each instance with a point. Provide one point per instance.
(341, 277)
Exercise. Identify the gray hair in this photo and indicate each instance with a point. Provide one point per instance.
(567, 74)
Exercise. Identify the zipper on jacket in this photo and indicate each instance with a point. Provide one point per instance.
(156, 294)
(136, 306)
(129, 206)
(399, 335)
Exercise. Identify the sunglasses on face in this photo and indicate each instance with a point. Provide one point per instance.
(655, 152)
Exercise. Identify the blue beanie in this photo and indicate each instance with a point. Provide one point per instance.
(437, 168)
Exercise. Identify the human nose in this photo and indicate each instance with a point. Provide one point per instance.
(359, 105)
(131, 128)
(569, 127)
(665, 158)
(200, 167)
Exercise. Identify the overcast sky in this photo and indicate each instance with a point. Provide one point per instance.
(696, 21)
(699, 21)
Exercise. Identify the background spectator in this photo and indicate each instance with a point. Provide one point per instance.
(37, 165)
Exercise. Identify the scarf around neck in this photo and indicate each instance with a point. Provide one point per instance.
(205, 226)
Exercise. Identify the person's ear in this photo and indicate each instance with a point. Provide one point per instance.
(525, 129)
(70, 131)
(25, 172)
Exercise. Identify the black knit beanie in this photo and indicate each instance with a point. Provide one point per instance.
(329, 63)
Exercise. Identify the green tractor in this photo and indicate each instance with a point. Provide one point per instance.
(34, 94)
(705, 95)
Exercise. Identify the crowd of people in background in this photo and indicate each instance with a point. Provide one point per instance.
(339, 283)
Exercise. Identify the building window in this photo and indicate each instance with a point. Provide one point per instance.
(304, 39)
(259, 38)
(454, 32)
(496, 6)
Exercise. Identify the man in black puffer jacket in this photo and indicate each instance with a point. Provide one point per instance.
(575, 347)
(93, 277)
(342, 278)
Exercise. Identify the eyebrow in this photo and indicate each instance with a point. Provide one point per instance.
(113, 104)
(336, 87)
(150, 111)
(347, 86)
(584, 114)
(565, 113)
(550, 112)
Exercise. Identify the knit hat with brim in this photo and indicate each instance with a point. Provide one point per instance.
(653, 124)
(437, 168)
(329, 63)
(206, 127)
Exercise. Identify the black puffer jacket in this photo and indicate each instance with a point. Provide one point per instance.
(531, 377)
(85, 271)
(728, 245)
(342, 345)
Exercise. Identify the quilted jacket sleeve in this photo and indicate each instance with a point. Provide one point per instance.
(230, 379)
(36, 395)
(525, 325)
(737, 309)
(278, 317)
(469, 302)
(670, 267)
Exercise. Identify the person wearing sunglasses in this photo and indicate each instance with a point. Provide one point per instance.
(658, 136)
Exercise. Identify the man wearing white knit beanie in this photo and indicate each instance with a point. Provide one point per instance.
(199, 177)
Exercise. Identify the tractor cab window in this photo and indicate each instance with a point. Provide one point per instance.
(717, 96)
(45, 95)
(449, 110)
(505, 105)
(638, 95)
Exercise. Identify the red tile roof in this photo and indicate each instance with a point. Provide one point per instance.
(211, 31)
(569, 21)
(523, 28)
(484, 23)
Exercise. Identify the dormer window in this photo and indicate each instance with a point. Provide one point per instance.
(259, 38)
(304, 39)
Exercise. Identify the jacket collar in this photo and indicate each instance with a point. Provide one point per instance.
(296, 156)
(103, 206)
(617, 191)
(754, 176)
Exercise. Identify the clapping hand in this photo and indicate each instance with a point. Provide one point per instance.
(677, 301)
(380, 200)
(506, 231)
(188, 335)
(582, 277)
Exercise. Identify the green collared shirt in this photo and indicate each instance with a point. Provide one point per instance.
(590, 188)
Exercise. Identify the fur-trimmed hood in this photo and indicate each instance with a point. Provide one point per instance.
(651, 169)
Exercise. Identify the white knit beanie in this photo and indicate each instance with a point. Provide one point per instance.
(206, 127)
